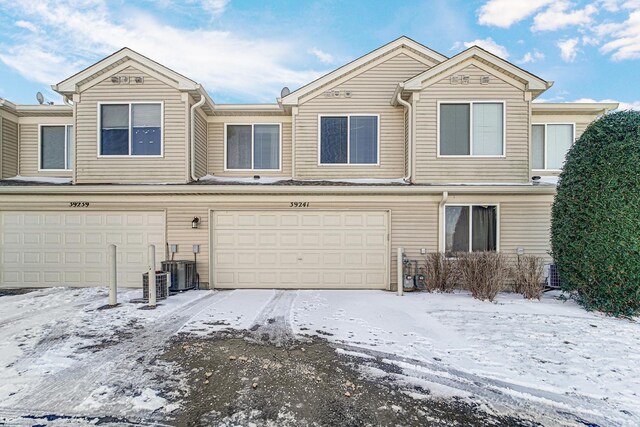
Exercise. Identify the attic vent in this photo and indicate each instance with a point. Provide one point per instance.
(138, 79)
(455, 80)
(124, 79)
(484, 80)
(465, 80)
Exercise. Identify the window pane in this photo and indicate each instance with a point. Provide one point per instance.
(487, 129)
(456, 229)
(239, 147)
(146, 130)
(483, 228)
(537, 146)
(454, 129)
(363, 139)
(69, 147)
(559, 140)
(266, 146)
(333, 140)
(114, 138)
(52, 149)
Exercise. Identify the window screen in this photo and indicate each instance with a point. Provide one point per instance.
(454, 129)
(114, 138)
(69, 146)
(363, 139)
(52, 149)
(266, 147)
(456, 229)
(559, 140)
(333, 139)
(483, 228)
(239, 147)
(537, 146)
(146, 130)
(487, 129)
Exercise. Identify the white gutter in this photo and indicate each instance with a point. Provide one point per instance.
(445, 197)
(192, 138)
(65, 99)
(407, 107)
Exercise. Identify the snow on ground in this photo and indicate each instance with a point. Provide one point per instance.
(544, 351)
(60, 354)
(44, 179)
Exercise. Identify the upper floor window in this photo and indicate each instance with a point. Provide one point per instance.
(471, 228)
(471, 129)
(56, 146)
(133, 129)
(550, 143)
(349, 139)
(252, 147)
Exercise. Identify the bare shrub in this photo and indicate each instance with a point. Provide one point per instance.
(528, 276)
(440, 272)
(484, 274)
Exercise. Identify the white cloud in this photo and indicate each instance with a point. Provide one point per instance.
(634, 105)
(590, 41)
(568, 49)
(487, 44)
(73, 37)
(213, 7)
(531, 57)
(27, 26)
(325, 57)
(558, 16)
(624, 37)
(504, 13)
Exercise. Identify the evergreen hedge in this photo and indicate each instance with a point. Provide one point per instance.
(595, 226)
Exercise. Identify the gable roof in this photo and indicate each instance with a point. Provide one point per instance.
(532, 82)
(293, 97)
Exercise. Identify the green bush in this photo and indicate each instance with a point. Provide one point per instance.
(595, 226)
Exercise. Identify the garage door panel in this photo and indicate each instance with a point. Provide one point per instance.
(70, 248)
(313, 249)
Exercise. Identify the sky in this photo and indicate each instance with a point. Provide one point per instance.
(245, 51)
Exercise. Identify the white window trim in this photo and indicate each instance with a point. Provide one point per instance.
(66, 145)
(348, 116)
(573, 141)
(471, 102)
(226, 169)
(443, 244)
(127, 156)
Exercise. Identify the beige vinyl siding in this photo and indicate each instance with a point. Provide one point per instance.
(200, 144)
(171, 168)
(371, 94)
(216, 146)
(524, 218)
(9, 146)
(512, 168)
(29, 152)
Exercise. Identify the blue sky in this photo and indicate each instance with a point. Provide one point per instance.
(245, 51)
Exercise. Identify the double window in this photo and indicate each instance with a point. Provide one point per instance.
(132, 129)
(470, 228)
(549, 144)
(253, 147)
(471, 129)
(56, 147)
(349, 139)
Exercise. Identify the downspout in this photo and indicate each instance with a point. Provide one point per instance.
(74, 164)
(443, 201)
(192, 144)
(407, 107)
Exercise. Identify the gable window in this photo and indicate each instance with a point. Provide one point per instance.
(56, 147)
(133, 129)
(471, 129)
(252, 147)
(550, 143)
(471, 228)
(349, 139)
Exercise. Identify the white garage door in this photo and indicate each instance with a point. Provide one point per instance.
(70, 248)
(303, 249)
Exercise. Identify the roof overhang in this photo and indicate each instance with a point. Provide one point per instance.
(573, 107)
(532, 83)
(22, 110)
(294, 97)
(250, 110)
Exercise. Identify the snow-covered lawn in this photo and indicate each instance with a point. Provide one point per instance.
(59, 354)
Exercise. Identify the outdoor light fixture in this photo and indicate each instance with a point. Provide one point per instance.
(195, 223)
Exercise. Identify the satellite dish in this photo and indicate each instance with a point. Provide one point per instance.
(284, 92)
(40, 98)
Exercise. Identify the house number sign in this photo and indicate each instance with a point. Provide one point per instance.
(78, 204)
(299, 204)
